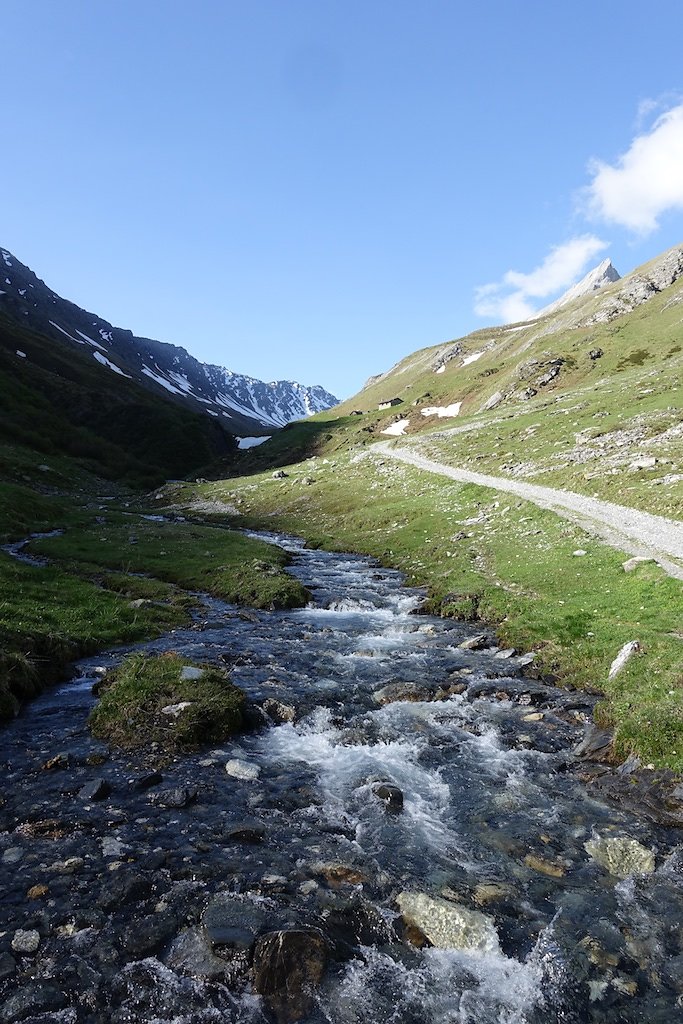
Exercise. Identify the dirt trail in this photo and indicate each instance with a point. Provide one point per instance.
(638, 533)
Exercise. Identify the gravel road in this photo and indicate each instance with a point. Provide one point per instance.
(625, 529)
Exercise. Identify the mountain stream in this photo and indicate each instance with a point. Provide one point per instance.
(408, 787)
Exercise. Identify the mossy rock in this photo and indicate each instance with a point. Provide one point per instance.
(133, 710)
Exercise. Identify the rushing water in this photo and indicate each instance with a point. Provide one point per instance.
(308, 843)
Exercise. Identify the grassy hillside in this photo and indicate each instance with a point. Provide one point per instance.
(576, 404)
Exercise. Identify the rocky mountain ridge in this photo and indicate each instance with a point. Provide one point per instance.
(242, 404)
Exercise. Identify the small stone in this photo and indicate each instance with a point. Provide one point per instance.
(279, 474)
(12, 855)
(475, 643)
(508, 653)
(69, 866)
(147, 781)
(579, 552)
(112, 847)
(26, 941)
(239, 769)
(175, 710)
(647, 462)
(391, 796)
(535, 716)
(36, 892)
(247, 832)
(552, 868)
(180, 796)
(191, 673)
(53, 763)
(277, 711)
(98, 789)
(633, 563)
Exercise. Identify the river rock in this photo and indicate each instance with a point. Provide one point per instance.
(596, 745)
(98, 789)
(288, 966)
(180, 796)
(448, 925)
(67, 867)
(621, 856)
(391, 796)
(243, 770)
(8, 966)
(246, 832)
(26, 941)
(475, 643)
(190, 953)
(279, 712)
(36, 997)
(147, 781)
(233, 922)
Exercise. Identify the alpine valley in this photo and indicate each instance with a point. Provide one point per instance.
(435, 780)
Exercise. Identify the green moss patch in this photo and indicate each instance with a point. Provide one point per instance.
(148, 701)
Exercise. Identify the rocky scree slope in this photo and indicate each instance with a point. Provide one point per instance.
(242, 405)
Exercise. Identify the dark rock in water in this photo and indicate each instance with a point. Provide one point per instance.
(144, 935)
(288, 966)
(122, 887)
(391, 796)
(353, 922)
(191, 954)
(7, 966)
(98, 789)
(36, 997)
(181, 796)
(147, 781)
(596, 745)
(234, 922)
(247, 832)
(254, 717)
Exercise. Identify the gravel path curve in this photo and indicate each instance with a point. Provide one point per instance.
(626, 529)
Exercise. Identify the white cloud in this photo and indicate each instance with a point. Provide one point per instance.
(645, 181)
(510, 299)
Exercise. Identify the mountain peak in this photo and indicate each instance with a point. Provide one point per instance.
(599, 277)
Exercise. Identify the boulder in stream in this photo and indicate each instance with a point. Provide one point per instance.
(288, 967)
(621, 856)
(448, 925)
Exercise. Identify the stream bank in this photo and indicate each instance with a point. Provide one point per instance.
(399, 779)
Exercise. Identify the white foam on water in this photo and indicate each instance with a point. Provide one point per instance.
(444, 987)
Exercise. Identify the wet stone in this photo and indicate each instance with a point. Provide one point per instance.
(391, 796)
(288, 966)
(180, 796)
(147, 781)
(36, 997)
(8, 966)
(98, 789)
(234, 922)
(26, 941)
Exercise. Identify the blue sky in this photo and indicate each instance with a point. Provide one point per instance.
(311, 190)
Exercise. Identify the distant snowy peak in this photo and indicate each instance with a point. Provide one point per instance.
(244, 405)
(597, 278)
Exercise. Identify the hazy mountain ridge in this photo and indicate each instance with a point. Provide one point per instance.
(242, 404)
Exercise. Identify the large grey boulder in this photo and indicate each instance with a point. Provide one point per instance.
(448, 925)
(621, 856)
